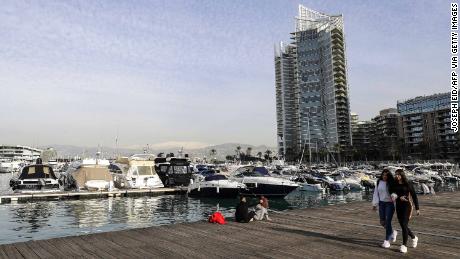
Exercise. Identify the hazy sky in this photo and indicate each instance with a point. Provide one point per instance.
(202, 72)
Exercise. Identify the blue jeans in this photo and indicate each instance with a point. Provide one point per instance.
(386, 211)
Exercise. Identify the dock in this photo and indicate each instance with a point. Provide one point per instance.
(25, 197)
(340, 231)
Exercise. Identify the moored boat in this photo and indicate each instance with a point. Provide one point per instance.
(215, 186)
(259, 182)
(173, 171)
(36, 177)
(136, 171)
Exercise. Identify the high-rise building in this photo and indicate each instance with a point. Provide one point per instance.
(425, 127)
(362, 133)
(311, 86)
(385, 136)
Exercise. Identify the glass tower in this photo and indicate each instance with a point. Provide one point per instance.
(311, 86)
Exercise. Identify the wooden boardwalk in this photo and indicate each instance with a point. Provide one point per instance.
(341, 231)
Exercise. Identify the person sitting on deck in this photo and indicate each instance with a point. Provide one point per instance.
(262, 209)
(242, 213)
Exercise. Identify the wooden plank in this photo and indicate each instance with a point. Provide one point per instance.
(11, 252)
(25, 250)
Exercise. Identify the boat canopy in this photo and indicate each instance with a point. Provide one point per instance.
(84, 174)
(37, 171)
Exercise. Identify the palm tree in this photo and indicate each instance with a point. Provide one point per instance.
(213, 152)
(238, 152)
(259, 155)
(248, 151)
(338, 149)
(267, 154)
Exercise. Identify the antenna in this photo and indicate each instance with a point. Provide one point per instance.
(116, 144)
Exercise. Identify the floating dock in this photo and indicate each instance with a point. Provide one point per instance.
(24, 197)
(340, 231)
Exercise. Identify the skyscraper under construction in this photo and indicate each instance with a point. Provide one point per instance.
(312, 104)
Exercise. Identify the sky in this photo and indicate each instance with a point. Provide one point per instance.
(194, 72)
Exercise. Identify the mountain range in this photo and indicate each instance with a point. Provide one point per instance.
(222, 150)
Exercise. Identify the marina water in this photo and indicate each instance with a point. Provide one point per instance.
(48, 219)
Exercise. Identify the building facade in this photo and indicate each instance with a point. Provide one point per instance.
(425, 128)
(386, 135)
(19, 153)
(311, 86)
(362, 133)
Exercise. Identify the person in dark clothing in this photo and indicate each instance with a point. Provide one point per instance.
(242, 213)
(404, 194)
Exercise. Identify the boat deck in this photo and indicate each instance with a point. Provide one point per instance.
(341, 231)
(24, 197)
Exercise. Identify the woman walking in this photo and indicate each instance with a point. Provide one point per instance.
(404, 195)
(382, 199)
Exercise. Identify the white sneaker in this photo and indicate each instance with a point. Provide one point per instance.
(393, 236)
(403, 249)
(386, 244)
(415, 242)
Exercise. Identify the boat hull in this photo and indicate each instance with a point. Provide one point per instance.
(312, 187)
(268, 190)
(214, 192)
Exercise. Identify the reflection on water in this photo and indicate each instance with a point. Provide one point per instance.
(5, 183)
(48, 219)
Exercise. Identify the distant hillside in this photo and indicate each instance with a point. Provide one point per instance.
(222, 150)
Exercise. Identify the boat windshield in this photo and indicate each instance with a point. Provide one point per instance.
(180, 169)
(253, 172)
(115, 169)
(261, 171)
(37, 171)
(144, 170)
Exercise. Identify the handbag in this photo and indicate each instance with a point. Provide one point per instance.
(411, 205)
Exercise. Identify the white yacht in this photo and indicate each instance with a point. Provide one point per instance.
(215, 186)
(11, 167)
(259, 182)
(137, 171)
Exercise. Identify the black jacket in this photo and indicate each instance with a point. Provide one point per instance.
(241, 213)
(404, 190)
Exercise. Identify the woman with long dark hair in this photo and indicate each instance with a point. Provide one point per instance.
(404, 194)
(242, 213)
(382, 199)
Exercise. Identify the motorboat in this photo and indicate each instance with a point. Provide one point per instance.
(309, 183)
(334, 185)
(36, 177)
(11, 167)
(215, 186)
(173, 171)
(137, 171)
(259, 182)
(88, 174)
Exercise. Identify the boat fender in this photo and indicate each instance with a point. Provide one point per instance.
(255, 185)
(218, 189)
(199, 187)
